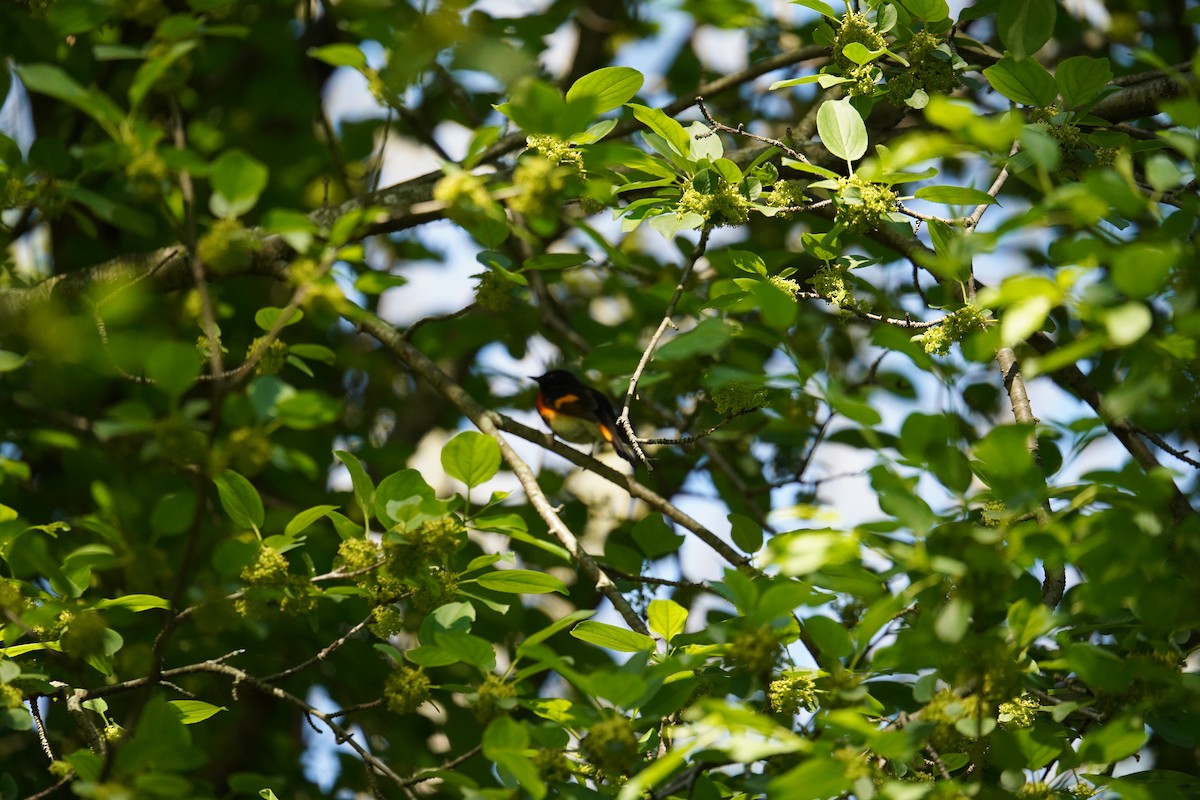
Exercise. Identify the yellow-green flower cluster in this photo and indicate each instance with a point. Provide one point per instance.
(861, 204)
(1083, 791)
(226, 247)
(556, 150)
(540, 185)
(755, 650)
(786, 194)
(84, 634)
(862, 80)
(737, 397)
(271, 355)
(1020, 712)
(463, 190)
(830, 282)
(432, 543)
(724, 206)
(358, 554)
(793, 691)
(611, 745)
(387, 621)
(785, 285)
(248, 450)
(1078, 154)
(494, 291)
(494, 697)
(406, 689)
(10, 696)
(434, 588)
(269, 569)
(553, 766)
(944, 710)
(1036, 790)
(928, 68)
(854, 27)
(146, 171)
(936, 340)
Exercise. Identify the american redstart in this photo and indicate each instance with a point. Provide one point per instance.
(579, 413)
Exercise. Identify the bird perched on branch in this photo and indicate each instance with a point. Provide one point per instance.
(578, 413)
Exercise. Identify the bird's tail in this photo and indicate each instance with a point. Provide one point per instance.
(623, 447)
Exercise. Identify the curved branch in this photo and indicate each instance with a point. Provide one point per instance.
(486, 422)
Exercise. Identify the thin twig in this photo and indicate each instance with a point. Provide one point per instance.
(740, 130)
(413, 328)
(41, 728)
(680, 287)
(323, 654)
(1162, 444)
(449, 765)
(696, 438)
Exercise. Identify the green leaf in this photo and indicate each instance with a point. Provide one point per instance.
(790, 82)
(556, 261)
(521, 581)
(612, 637)
(469, 649)
(595, 132)
(1127, 323)
(706, 144)
(747, 261)
(824, 9)
(537, 107)
(830, 635)
(240, 499)
(671, 131)
(364, 488)
(1117, 740)
(1025, 25)
(471, 457)
(1026, 81)
(953, 621)
(975, 728)
(307, 410)
(860, 54)
(405, 497)
(1029, 619)
(747, 534)
(173, 367)
(811, 169)
(267, 794)
(107, 210)
(375, 282)
(266, 318)
(10, 361)
(667, 618)
(154, 68)
(1081, 78)
(707, 338)
(655, 537)
(52, 81)
(133, 602)
(313, 352)
(607, 88)
(237, 179)
(301, 521)
(341, 54)
(194, 711)
(842, 130)
(928, 10)
(955, 195)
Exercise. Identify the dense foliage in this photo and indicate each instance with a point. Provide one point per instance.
(216, 553)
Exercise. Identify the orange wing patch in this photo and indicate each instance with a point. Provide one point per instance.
(565, 399)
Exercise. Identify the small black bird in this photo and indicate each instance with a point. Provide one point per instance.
(579, 413)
